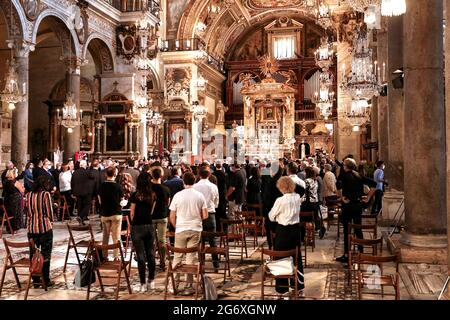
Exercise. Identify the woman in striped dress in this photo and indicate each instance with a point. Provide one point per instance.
(40, 219)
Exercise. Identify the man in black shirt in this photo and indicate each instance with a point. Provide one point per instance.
(353, 199)
(82, 185)
(221, 177)
(235, 193)
(111, 194)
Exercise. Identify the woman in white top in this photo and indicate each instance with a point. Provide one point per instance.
(286, 212)
(65, 178)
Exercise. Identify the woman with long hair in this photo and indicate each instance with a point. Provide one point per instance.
(40, 219)
(142, 230)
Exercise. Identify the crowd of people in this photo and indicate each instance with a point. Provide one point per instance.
(186, 199)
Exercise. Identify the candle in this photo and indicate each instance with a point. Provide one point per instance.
(343, 70)
(384, 71)
(57, 113)
(24, 88)
(81, 114)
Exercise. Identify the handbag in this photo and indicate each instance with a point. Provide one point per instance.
(281, 267)
(86, 271)
(37, 262)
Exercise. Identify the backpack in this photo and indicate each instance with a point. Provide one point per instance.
(210, 289)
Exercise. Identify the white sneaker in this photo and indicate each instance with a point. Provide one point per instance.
(151, 285)
(140, 288)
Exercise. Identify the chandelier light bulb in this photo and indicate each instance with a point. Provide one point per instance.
(391, 8)
(11, 106)
(69, 130)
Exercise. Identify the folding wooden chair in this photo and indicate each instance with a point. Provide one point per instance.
(23, 263)
(5, 219)
(109, 266)
(356, 246)
(221, 250)
(75, 245)
(374, 278)
(266, 275)
(309, 226)
(63, 208)
(255, 207)
(304, 255)
(370, 229)
(236, 234)
(250, 226)
(183, 268)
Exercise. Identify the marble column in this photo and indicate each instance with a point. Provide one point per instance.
(396, 105)
(143, 143)
(425, 154)
(382, 102)
(72, 140)
(19, 129)
(447, 117)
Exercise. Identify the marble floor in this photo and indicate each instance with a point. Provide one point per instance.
(325, 279)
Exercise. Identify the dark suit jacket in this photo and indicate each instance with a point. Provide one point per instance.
(83, 182)
(98, 179)
(221, 184)
(175, 185)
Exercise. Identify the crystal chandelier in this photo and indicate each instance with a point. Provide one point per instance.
(390, 8)
(323, 15)
(201, 82)
(362, 5)
(155, 118)
(324, 99)
(11, 94)
(324, 55)
(69, 118)
(141, 100)
(364, 81)
(358, 113)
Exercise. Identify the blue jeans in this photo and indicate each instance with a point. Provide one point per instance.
(209, 225)
(143, 238)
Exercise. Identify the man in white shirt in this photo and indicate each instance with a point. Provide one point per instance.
(187, 211)
(211, 194)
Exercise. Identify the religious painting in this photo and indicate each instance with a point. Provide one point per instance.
(269, 4)
(269, 114)
(176, 135)
(174, 12)
(252, 47)
(31, 8)
(115, 134)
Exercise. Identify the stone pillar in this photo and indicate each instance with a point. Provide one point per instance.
(19, 136)
(382, 102)
(394, 164)
(447, 125)
(143, 143)
(72, 140)
(424, 156)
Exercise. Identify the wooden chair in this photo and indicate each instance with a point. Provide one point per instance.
(375, 279)
(257, 207)
(5, 219)
(250, 226)
(108, 266)
(221, 250)
(355, 245)
(23, 263)
(310, 237)
(236, 234)
(260, 229)
(304, 255)
(266, 275)
(125, 233)
(369, 219)
(183, 268)
(63, 208)
(369, 229)
(75, 245)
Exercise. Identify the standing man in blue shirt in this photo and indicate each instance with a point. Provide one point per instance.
(378, 176)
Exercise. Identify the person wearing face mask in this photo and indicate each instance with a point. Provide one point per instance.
(378, 176)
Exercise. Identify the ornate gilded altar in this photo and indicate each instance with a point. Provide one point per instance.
(269, 115)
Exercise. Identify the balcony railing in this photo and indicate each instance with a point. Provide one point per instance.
(193, 44)
(135, 5)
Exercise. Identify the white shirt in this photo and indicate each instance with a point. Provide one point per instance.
(286, 210)
(188, 204)
(64, 181)
(211, 193)
(298, 181)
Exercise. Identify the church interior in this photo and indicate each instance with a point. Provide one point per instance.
(214, 80)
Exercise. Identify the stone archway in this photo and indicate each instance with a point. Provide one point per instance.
(101, 54)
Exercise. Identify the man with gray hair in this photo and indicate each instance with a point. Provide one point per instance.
(82, 185)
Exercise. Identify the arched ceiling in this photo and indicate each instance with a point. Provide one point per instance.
(226, 22)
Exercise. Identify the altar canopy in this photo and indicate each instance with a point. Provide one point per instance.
(269, 114)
